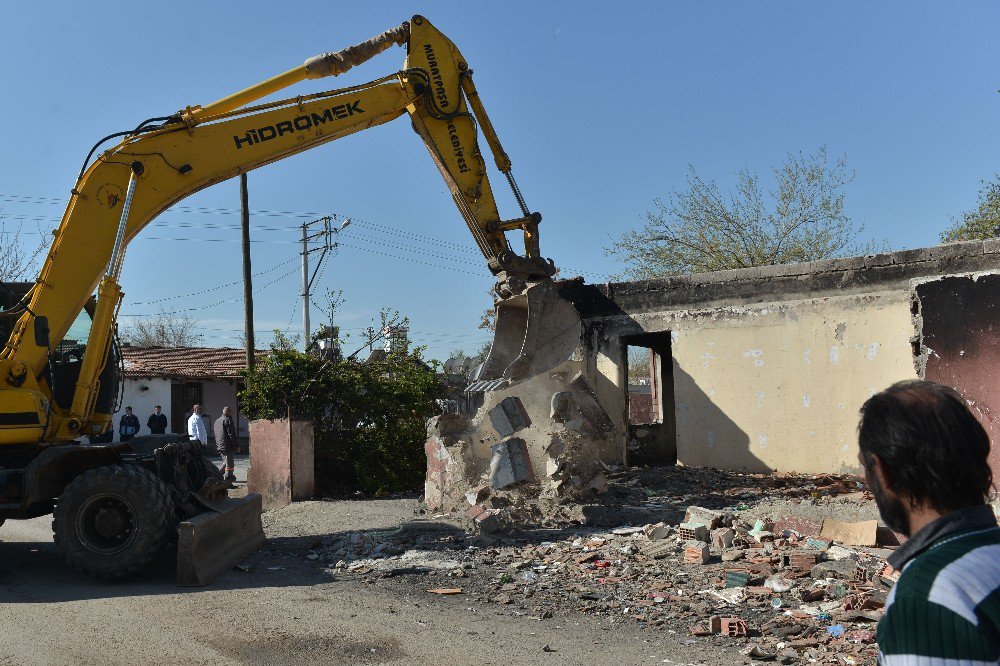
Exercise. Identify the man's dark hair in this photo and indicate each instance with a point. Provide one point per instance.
(157, 407)
(933, 449)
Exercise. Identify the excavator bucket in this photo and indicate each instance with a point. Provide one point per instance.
(536, 330)
(213, 542)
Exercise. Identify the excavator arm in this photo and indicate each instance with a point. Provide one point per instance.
(153, 168)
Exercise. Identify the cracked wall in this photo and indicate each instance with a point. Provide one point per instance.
(779, 386)
(770, 366)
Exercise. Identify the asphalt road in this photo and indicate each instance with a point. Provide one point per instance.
(285, 610)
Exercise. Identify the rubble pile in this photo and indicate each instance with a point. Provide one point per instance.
(781, 589)
(787, 596)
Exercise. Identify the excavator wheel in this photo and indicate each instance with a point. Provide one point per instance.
(111, 521)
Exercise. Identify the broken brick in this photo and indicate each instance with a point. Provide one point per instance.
(696, 552)
(802, 560)
(700, 630)
(488, 522)
(889, 575)
(733, 627)
(693, 532)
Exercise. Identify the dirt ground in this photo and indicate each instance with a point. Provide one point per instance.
(288, 610)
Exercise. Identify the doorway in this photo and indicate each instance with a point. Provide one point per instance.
(183, 396)
(649, 391)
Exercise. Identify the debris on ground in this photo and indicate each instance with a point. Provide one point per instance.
(714, 561)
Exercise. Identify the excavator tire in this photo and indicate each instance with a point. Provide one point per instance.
(111, 521)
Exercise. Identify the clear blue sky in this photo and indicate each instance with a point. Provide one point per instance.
(600, 111)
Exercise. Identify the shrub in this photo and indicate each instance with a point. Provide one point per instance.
(369, 417)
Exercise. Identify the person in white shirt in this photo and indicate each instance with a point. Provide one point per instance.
(196, 426)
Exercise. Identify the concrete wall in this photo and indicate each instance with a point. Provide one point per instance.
(143, 395)
(778, 386)
(282, 468)
(772, 364)
(218, 394)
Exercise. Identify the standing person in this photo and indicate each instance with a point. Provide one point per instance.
(128, 426)
(157, 422)
(925, 460)
(196, 426)
(227, 442)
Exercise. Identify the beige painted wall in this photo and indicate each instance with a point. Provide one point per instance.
(779, 386)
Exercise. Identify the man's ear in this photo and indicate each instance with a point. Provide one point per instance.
(881, 472)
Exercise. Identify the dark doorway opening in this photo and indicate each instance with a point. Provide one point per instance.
(650, 395)
(183, 396)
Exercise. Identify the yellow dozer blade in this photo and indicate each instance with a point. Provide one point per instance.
(213, 542)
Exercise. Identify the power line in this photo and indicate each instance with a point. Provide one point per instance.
(259, 213)
(362, 222)
(216, 288)
(212, 305)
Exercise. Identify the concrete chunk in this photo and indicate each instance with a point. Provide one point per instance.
(510, 464)
(509, 416)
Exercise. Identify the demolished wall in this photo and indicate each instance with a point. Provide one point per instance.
(766, 368)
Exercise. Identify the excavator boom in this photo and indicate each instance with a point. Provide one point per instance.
(200, 146)
(55, 387)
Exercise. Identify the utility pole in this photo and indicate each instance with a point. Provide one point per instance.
(325, 234)
(305, 284)
(247, 275)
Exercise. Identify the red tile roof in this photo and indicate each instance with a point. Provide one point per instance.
(185, 362)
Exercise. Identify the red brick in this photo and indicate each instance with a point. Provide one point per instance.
(733, 626)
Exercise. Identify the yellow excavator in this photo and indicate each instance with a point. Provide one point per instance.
(116, 506)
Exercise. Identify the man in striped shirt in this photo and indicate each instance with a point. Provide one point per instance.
(925, 460)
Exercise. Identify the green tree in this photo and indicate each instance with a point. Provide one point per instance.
(369, 417)
(981, 222)
(699, 229)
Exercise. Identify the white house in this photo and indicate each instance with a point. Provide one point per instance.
(177, 378)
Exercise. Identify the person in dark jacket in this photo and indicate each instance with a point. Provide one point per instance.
(157, 422)
(226, 441)
(128, 426)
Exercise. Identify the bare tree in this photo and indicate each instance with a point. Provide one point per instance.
(371, 335)
(699, 229)
(18, 255)
(162, 330)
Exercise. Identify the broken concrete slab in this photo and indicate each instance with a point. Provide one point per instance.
(510, 464)
(656, 531)
(842, 569)
(509, 416)
(710, 517)
(864, 533)
(723, 537)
